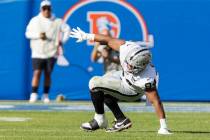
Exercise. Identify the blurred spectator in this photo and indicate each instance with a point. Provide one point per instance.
(47, 34)
(101, 52)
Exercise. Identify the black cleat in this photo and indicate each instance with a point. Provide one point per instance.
(120, 125)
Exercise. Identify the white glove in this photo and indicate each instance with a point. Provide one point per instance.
(81, 35)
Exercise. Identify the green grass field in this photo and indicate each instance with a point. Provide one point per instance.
(65, 126)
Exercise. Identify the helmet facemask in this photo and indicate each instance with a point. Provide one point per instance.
(138, 62)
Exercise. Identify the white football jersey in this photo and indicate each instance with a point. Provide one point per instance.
(135, 81)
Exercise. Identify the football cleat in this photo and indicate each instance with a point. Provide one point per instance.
(120, 125)
(164, 131)
(94, 125)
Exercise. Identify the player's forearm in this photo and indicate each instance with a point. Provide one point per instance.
(102, 38)
(112, 42)
(81, 36)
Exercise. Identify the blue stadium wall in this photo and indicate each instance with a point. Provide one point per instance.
(181, 29)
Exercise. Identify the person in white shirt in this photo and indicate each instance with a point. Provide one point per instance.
(47, 34)
(137, 77)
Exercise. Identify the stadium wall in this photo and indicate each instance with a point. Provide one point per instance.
(181, 30)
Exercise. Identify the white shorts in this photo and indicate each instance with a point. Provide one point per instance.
(112, 84)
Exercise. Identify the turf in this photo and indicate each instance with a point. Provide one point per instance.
(65, 126)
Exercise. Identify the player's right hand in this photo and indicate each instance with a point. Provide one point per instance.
(81, 35)
(78, 34)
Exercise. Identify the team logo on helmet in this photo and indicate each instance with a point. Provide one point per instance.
(119, 17)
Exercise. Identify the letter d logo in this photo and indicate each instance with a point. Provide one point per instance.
(103, 20)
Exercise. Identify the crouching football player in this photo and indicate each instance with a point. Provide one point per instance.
(137, 78)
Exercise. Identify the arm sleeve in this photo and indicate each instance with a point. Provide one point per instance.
(31, 31)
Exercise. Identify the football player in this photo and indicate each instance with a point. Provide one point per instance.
(137, 78)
